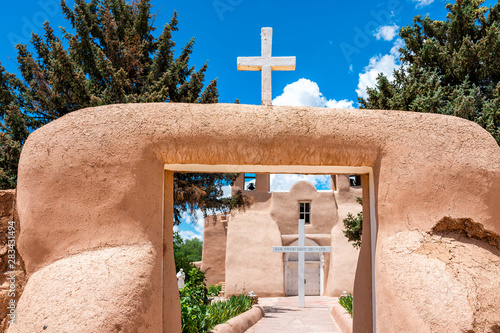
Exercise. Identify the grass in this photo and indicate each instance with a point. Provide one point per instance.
(346, 302)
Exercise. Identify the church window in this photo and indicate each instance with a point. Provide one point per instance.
(250, 181)
(305, 211)
(355, 180)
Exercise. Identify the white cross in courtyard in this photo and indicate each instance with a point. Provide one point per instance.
(301, 249)
(266, 64)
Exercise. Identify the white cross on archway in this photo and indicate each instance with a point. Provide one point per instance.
(266, 64)
(301, 249)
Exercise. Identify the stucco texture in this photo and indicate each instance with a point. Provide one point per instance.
(250, 263)
(214, 250)
(285, 209)
(344, 256)
(94, 179)
(8, 214)
(103, 290)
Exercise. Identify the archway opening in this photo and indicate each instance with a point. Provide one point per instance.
(364, 287)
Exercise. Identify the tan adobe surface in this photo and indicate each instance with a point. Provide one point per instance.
(91, 188)
(284, 209)
(214, 251)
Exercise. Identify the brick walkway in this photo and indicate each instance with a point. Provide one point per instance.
(283, 315)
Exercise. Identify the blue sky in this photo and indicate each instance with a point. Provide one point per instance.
(335, 42)
(340, 46)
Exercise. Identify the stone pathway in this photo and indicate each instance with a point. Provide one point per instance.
(283, 315)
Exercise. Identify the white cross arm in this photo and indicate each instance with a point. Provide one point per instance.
(256, 63)
(301, 249)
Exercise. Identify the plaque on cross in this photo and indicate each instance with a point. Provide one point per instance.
(266, 63)
(301, 249)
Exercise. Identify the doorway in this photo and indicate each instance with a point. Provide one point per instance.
(365, 308)
(312, 274)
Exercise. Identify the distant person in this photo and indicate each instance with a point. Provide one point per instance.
(180, 278)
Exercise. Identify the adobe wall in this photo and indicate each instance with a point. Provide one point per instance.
(213, 258)
(7, 204)
(285, 209)
(250, 263)
(90, 187)
(343, 257)
(261, 192)
(9, 291)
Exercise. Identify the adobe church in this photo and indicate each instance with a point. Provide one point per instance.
(95, 201)
(237, 248)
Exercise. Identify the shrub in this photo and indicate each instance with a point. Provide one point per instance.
(346, 302)
(353, 229)
(354, 226)
(194, 303)
(185, 252)
(222, 311)
(214, 290)
(197, 314)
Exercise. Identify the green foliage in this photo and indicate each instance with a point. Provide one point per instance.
(185, 253)
(214, 290)
(112, 57)
(197, 314)
(14, 127)
(346, 302)
(449, 67)
(353, 228)
(194, 303)
(204, 191)
(190, 249)
(195, 289)
(222, 311)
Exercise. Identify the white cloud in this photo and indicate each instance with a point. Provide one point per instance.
(188, 234)
(386, 32)
(379, 64)
(195, 221)
(342, 104)
(398, 43)
(226, 191)
(422, 3)
(305, 92)
(284, 182)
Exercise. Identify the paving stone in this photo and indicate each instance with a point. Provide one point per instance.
(283, 315)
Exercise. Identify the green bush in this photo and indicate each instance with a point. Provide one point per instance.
(353, 229)
(185, 252)
(194, 302)
(222, 311)
(346, 302)
(197, 314)
(354, 226)
(214, 290)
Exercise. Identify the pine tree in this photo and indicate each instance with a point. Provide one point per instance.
(450, 67)
(14, 127)
(112, 57)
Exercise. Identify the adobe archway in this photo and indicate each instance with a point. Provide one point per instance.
(90, 198)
